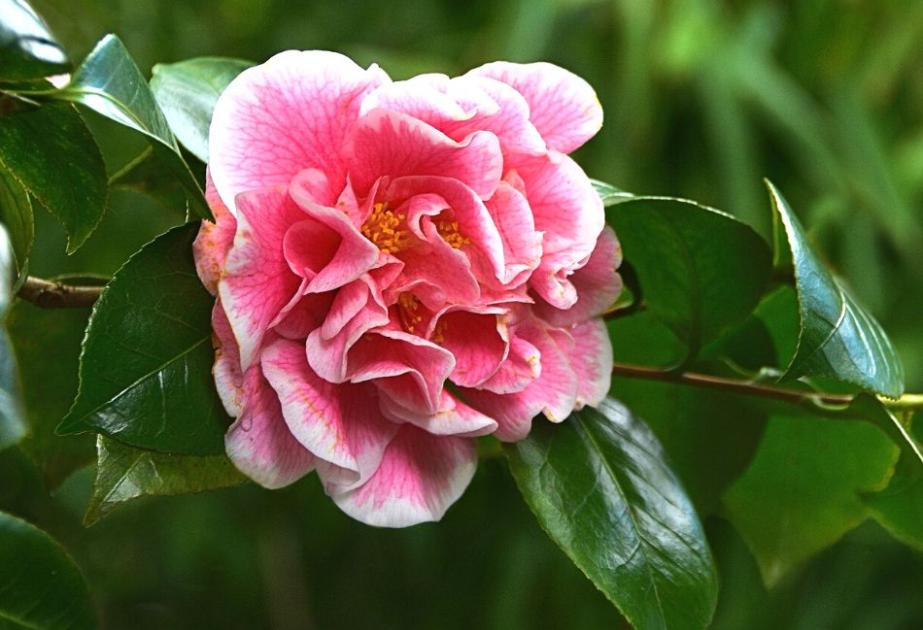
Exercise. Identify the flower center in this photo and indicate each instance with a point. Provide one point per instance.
(383, 227)
(448, 230)
(409, 307)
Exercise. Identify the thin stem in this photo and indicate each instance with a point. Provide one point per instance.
(51, 294)
(795, 396)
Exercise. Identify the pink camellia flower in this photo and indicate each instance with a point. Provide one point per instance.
(401, 267)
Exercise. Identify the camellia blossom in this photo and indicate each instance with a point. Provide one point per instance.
(401, 267)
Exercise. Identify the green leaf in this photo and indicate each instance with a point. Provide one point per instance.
(12, 418)
(40, 586)
(803, 490)
(16, 216)
(124, 473)
(187, 92)
(28, 50)
(145, 369)
(838, 339)
(899, 507)
(609, 194)
(600, 488)
(109, 83)
(710, 437)
(49, 386)
(701, 271)
(53, 155)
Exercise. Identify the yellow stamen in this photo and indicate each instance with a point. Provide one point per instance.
(384, 228)
(409, 307)
(448, 230)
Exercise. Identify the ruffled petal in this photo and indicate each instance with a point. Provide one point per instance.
(419, 478)
(390, 144)
(260, 444)
(341, 424)
(286, 115)
(563, 107)
(258, 283)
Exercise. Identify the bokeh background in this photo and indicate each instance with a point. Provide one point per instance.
(702, 100)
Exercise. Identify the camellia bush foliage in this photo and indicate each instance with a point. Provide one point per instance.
(796, 423)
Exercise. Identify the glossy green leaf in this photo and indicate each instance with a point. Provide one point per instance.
(124, 473)
(109, 83)
(609, 194)
(53, 155)
(28, 50)
(187, 92)
(803, 490)
(40, 586)
(838, 338)
(16, 217)
(145, 368)
(600, 488)
(49, 386)
(706, 272)
(709, 437)
(12, 418)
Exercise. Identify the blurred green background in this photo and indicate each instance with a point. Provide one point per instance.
(702, 100)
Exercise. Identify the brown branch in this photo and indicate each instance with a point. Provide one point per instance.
(50, 294)
(795, 396)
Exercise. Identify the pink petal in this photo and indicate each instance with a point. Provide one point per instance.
(521, 366)
(553, 393)
(229, 377)
(420, 476)
(390, 144)
(411, 370)
(260, 443)
(597, 285)
(214, 239)
(340, 424)
(453, 417)
(564, 108)
(258, 283)
(286, 115)
(356, 309)
(522, 244)
(592, 361)
(569, 213)
(476, 340)
(475, 224)
(509, 119)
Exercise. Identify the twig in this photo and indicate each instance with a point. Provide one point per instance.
(50, 294)
(729, 384)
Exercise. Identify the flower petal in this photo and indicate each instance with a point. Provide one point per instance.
(390, 144)
(260, 443)
(597, 285)
(341, 424)
(419, 478)
(214, 239)
(564, 107)
(258, 283)
(453, 417)
(291, 113)
(592, 361)
(553, 393)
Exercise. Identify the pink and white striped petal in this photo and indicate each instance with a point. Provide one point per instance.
(390, 144)
(563, 107)
(286, 115)
(419, 478)
(340, 424)
(591, 361)
(260, 444)
(257, 282)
